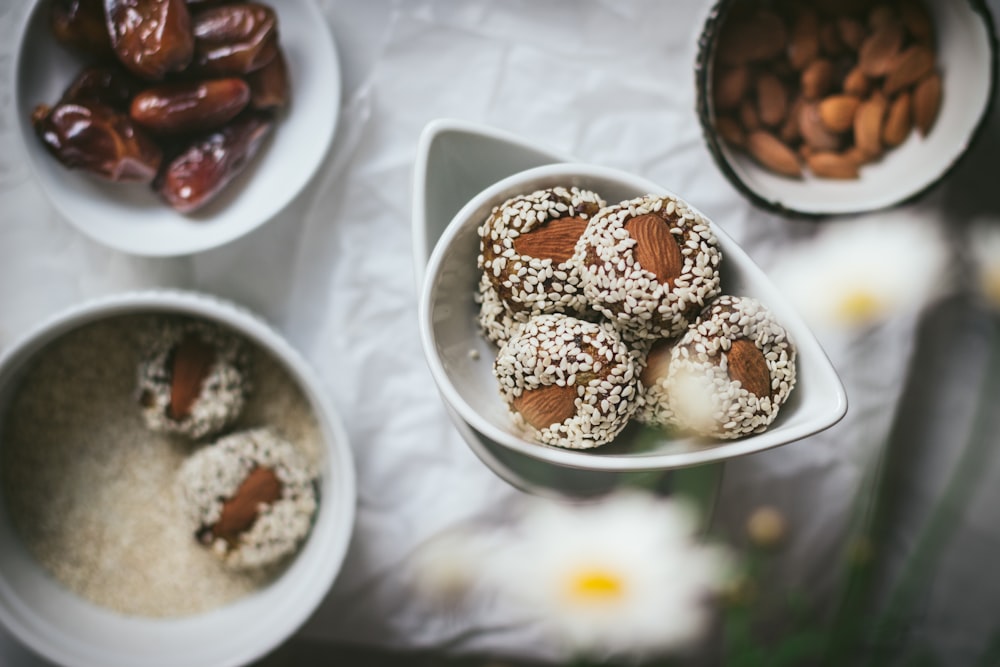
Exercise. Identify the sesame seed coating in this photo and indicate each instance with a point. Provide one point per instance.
(566, 351)
(213, 474)
(496, 322)
(223, 391)
(631, 296)
(698, 394)
(529, 284)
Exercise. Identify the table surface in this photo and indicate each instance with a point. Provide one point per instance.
(611, 83)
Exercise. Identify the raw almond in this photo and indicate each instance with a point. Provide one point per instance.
(748, 115)
(880, 15)
(770, 152)
(909, 67)
(803, 47)
(814, 132)
(837, 7)
(852, 32)
(191, 364)
(837, 112)
(927, 103)
(261, 487)
(868, 125)
(657, 362)
(817, 79)
(759, 37)
(730, 131)
(898, 121)
(833, 165)
(916, 20)
(857, 83)
(829, 40)
(547, 405)
(772, 100)
(879, 50)
(789, 132)
(747, 366)
(730, 86)
(555, 240)
(656, 249)
(858, 156)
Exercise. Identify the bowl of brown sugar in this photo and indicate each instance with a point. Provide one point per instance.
(175, 488)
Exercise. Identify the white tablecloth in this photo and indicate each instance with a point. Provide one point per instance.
(609, 81)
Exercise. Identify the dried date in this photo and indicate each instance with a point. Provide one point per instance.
(234, 39)
(151, 37)
(177, 108)
(79, 24)
(269, 86)
(201, 171)
(97, 139)
(109, 85)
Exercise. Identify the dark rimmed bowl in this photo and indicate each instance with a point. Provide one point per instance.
(967, 59)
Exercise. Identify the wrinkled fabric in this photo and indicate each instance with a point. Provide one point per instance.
(610, 82)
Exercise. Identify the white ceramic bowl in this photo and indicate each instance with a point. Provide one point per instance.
(68, 630)
(132, 218)
(460, 358)
(966, 44)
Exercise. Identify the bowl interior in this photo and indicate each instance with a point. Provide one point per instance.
(461, 359)
(70, 630)
(966, 59)
(450, 168)
(131, 217)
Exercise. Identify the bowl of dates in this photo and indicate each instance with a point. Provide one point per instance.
(166, 127)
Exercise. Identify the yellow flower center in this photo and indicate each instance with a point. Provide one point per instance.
(990, 282)
(859, 307)
(595, 586)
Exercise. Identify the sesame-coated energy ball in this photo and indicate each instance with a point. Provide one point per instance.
(193, 379)
(650, 265)
(495, 321)
(527, 245)
(249, 497)
(728, 375)
(569, 382)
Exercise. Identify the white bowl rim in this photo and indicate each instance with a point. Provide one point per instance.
(338, 456)
(582, 459)
(313, 158)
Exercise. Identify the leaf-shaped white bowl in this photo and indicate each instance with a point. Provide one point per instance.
(460, 359)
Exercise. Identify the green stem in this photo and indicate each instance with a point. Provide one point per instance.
(946, 515)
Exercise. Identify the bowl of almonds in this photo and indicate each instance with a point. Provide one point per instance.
(843, 106)
(175, 487)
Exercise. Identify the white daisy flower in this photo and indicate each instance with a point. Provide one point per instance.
(626, 574)
(984, 245)
(446, 568)
(856, 274)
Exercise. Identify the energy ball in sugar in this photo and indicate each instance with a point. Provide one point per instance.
(249, 497)
(650, 265)
(732, 371)
(526, 249)
(193, 379)
(569, 382)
